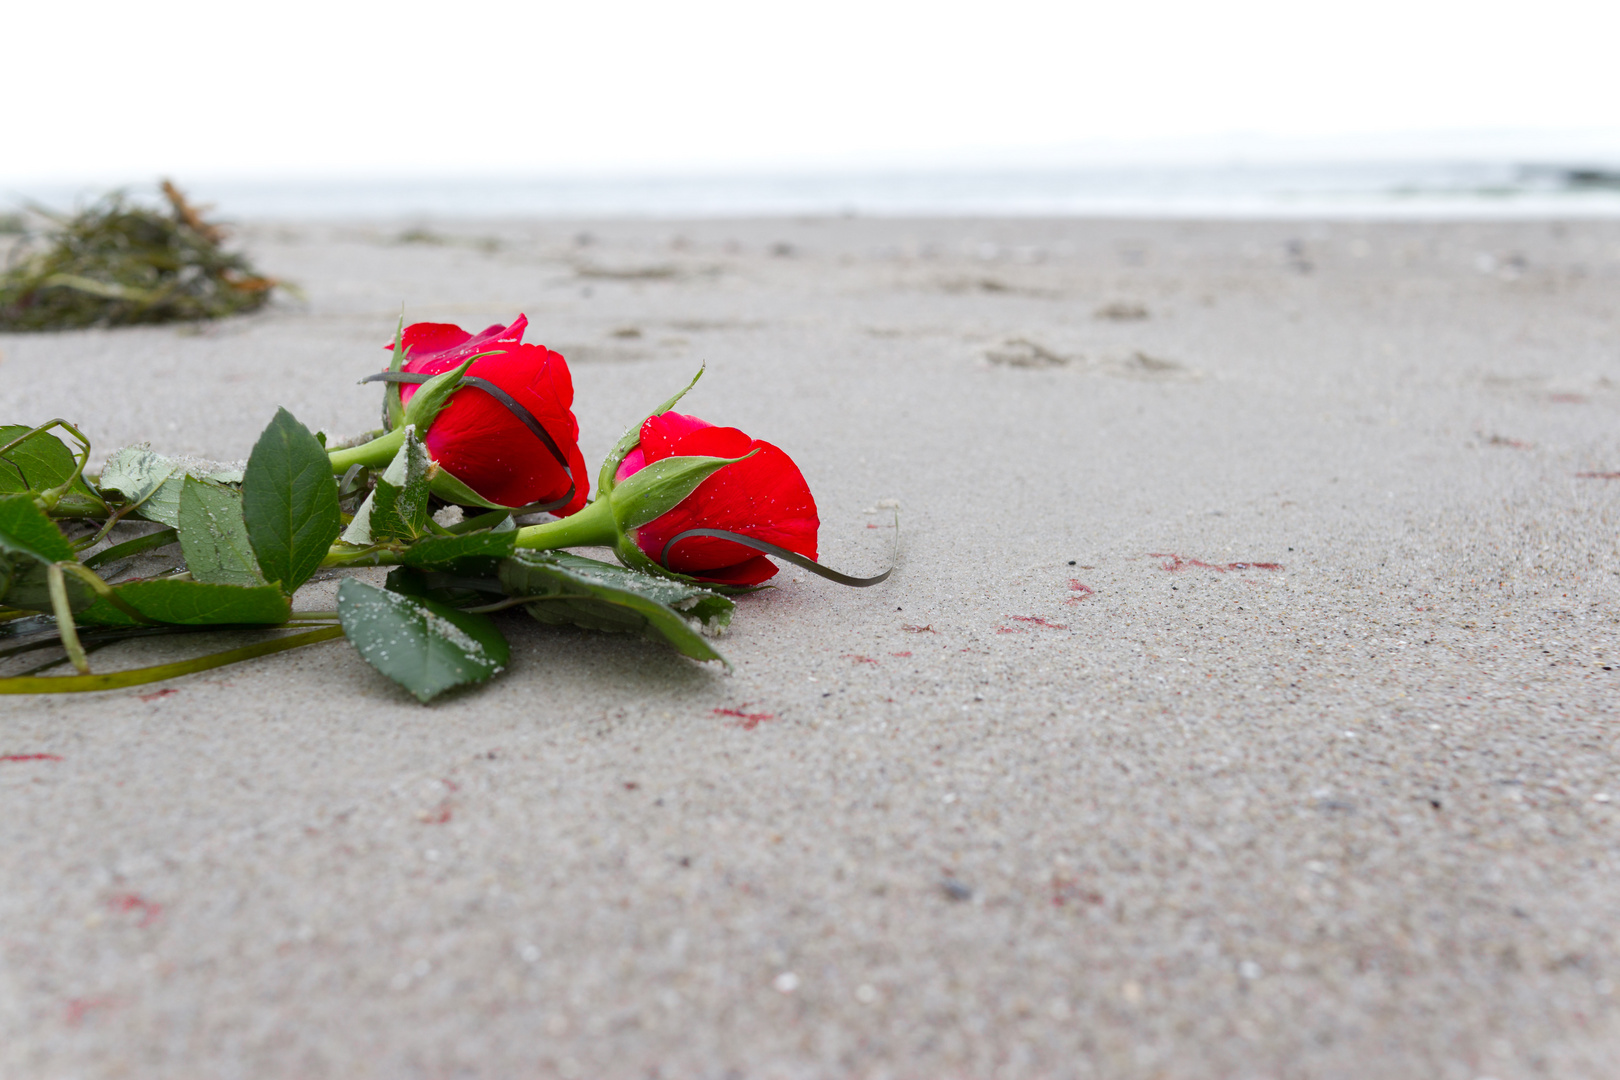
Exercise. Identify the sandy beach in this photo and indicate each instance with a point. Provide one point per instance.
(1244, 703)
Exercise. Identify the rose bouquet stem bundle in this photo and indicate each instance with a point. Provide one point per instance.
(481, 422)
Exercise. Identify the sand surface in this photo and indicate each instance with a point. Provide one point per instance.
(1244, 704)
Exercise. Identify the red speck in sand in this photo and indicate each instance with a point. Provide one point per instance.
(1567, 399)
(154, 695)
(746, 720)
(858, 658)
(135, 902)
(1066, 890)
(1597, 476)
(445, 809)
(1007, 630)
(1178, 563)
(78, 1008)
(29, 757)
(899, 654)
(1081, 591)
(1038, 621)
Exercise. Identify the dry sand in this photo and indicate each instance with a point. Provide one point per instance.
(1076, 794)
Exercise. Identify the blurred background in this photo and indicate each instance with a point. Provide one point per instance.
(487, 108)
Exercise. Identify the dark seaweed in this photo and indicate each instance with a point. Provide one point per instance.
(119, 263)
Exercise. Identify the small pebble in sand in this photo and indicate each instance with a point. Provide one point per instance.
(1121, 311)
(786, 983)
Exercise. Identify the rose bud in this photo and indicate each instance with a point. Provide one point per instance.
(761, 495)
(677, 473)
(495, 415)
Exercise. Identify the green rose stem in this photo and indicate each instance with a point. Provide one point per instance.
(593, 526)
(59, 684)
(375, 454)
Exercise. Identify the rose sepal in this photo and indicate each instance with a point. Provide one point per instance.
(394, 393)
(651, 492)
(424, 407)
(633, 557)
(606, 480)
(446, 486)
(432, 396)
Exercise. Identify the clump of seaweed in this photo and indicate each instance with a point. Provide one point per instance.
(118, 263)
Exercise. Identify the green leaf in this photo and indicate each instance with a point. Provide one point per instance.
(213, 535)
(432, 396)
(290, 501)
(30, 543)
(153, 482)
(444, 552)
(163, 505)
(571, 589)
(397, 508)
(39, 463)
(26, 530)
(473, 588)
(30, 586)
(193, 603)
(424, 646)
(632, 438)
(135, 473)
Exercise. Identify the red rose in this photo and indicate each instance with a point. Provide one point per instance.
(482, 442)
(764, 497)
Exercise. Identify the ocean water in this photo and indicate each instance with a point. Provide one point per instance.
(1404, 189)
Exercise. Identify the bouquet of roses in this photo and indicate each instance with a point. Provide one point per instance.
(478, 435)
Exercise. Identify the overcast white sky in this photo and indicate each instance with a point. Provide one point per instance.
(119, 91)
